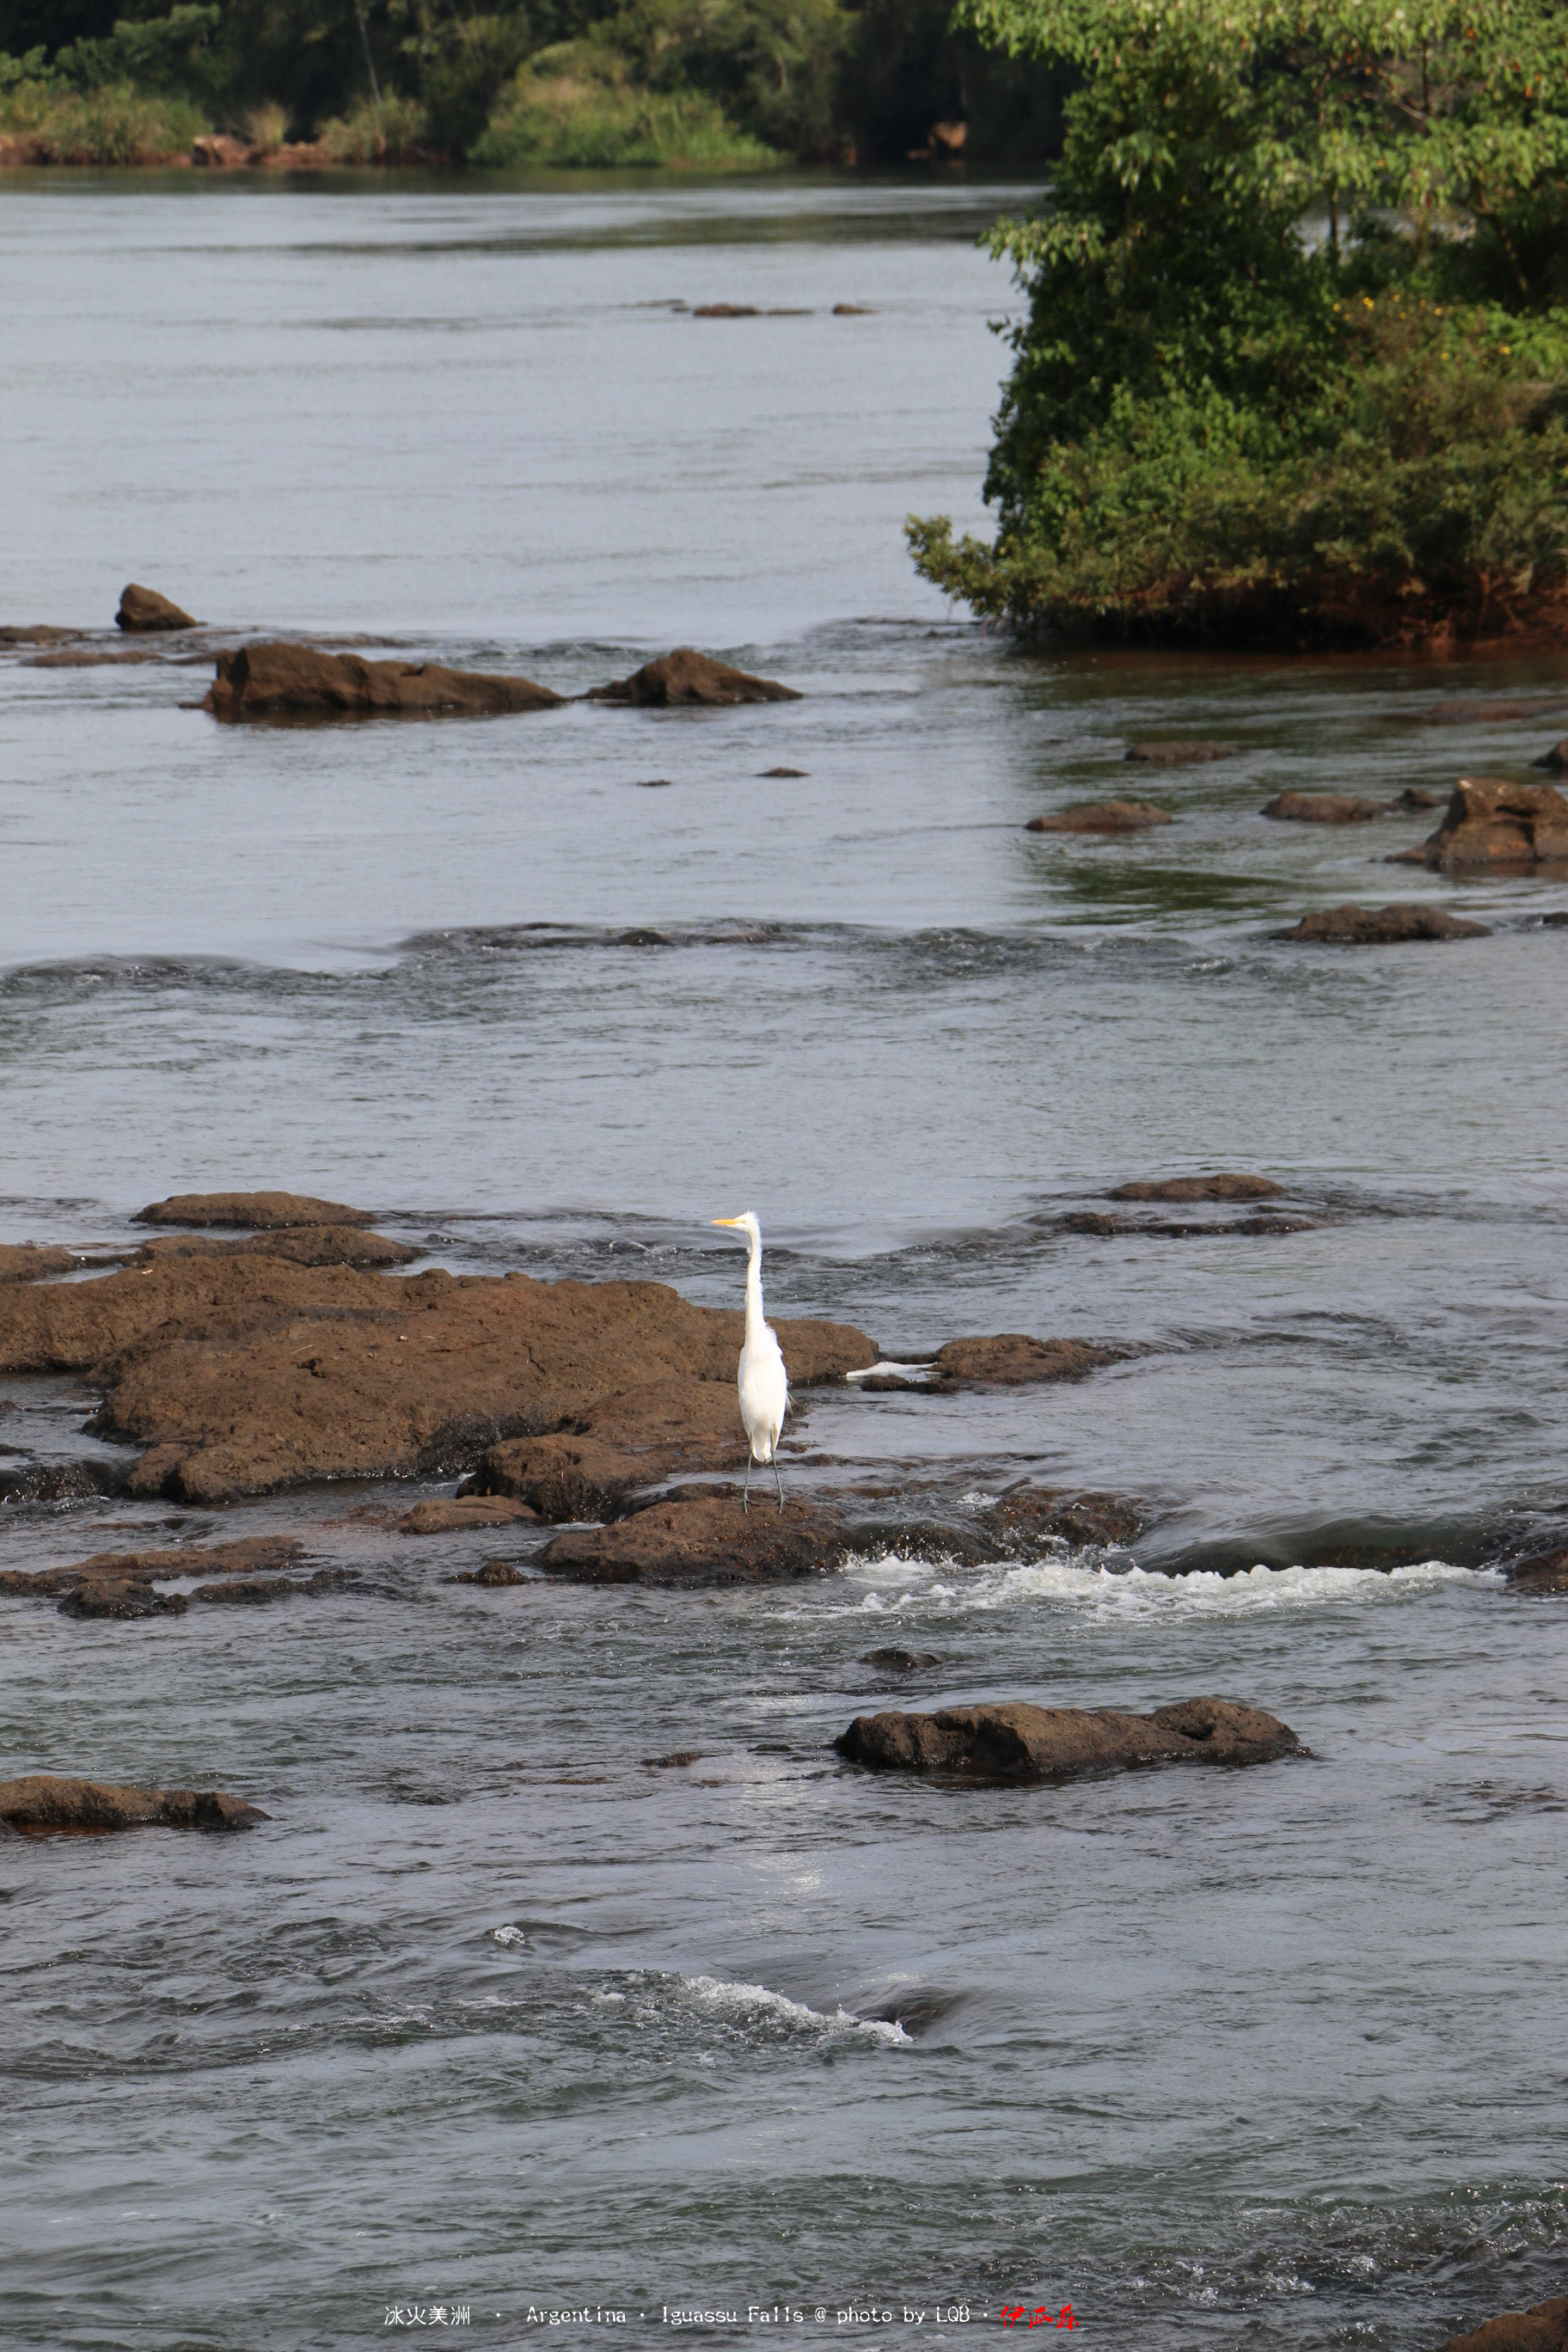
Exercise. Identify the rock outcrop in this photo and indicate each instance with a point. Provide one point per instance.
(688, 676)
(1012, 1741)
(1323, 808)
(124, 1583)
(143, 610)
(1375, 926)
(249, 1212)
(239, 1371)
(448, 1514)
(1492, 825)
(1177, 754)
(1224, 1184)
(701, 1539)
(1102, 817)
(41, 1805)
(1542, 2329)
(1556, 759)
(275, 679)
(1012, 1359)
(1543, 1572)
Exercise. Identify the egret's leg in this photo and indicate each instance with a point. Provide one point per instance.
(746, 1489)
(776, 1477)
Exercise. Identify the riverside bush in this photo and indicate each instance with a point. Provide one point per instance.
(1295, 364)
(576, 107)
(113, 125)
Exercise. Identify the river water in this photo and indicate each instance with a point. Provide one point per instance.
(506, 2011)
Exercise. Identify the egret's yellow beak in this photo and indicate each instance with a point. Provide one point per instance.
(726, 1220)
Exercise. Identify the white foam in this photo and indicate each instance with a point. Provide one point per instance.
(509, 1936)
(746, 2002)
(1135, 1591)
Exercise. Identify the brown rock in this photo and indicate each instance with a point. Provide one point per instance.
(1013, 1741)
(248, 1212)
(240, 1373)
(40, 1805)
(1012, 1359)
(1490, 824)
(1224, 1184)
(142, 609)
(1323, 808)
(493, 1573)
(1371, 925)
(34, 632)
(686, 677)
(448, 1514)
(1546, 1572)
(1556, 759)
(25, 1261)
(213, 151)
(249, 1591)
(278, 680)
(1030, 1516)
(1456, 713)
(120, 1583)
(1102, 817)
(1177, 755)
(726, 311)
(893, 1660)
(700, 1539)
(1542, 2329)
(300, 1245)
(108, 1596)
(1416, 796)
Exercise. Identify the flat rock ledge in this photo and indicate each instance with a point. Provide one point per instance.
(1352, 927)
(1224, 1184)
(276, 680)
(1012, 1741)
(688, 676)
(40, 1805)
(1542, 2329)
(1490, 825)
(1102, 817)
(249, 1212)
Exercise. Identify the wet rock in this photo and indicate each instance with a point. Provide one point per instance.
(120, 1583)
(253, 1592)
(447, 1515)
(1030, 1516)
(895, 1661)
(248, 1212)
(1375, 925)
(1542, 2329)
(109, 1596)
(1491, 825)
(1102, 817)
(278, 679)
(493, 1573)
(142, 609)
(795, 773)
(1224, 1184)
(852, 310)
(1012, 1359)
(41, 1805)
(242, 1372)
(1416, 796)
(726, 311)
(300, 1245)
(687, 677)
(60, 1481)
(1177, 754)
(1543, 1573)
(1556, 759)
(1323, 808)
(701, 1539)
(1012, 1741)
(34, 632)
(1459, 710)
(25, 1261)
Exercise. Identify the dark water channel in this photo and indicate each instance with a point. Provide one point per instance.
(504, 2008)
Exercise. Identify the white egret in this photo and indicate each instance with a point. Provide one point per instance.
(764, 1382)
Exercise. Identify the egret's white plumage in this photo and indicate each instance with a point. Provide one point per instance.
(764, 1382)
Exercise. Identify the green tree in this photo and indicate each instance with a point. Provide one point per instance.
(1243, 391)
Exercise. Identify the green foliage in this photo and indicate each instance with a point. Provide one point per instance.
(387, 133)
(459, 68)
(1243, 383)
(575, 107)
(115, 124)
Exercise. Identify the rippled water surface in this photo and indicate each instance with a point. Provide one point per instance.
(572, 1969)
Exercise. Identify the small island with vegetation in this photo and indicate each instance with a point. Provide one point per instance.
(1294, 370)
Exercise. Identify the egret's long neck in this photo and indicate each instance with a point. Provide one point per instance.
(753, 1292)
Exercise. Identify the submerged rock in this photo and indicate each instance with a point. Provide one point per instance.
(1542, 2329)
(1543, 1572)
(1374, 926)
(248, 1212)
(494, 1572)
(685, 676)
(1102, 817)
(1224, 1184)
(40, 1805)
(143, 609)
(1323, 808)
(1012, 1359)
(1030, 1516)
(123, 1583)
(1177, 754)
(278, 680)
(1490, 824)
(1002, 1740)
(895, 1661)
(447, 1515)
(1556, 759)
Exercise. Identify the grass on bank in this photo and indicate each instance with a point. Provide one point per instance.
(118, 124)
(575, 106)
